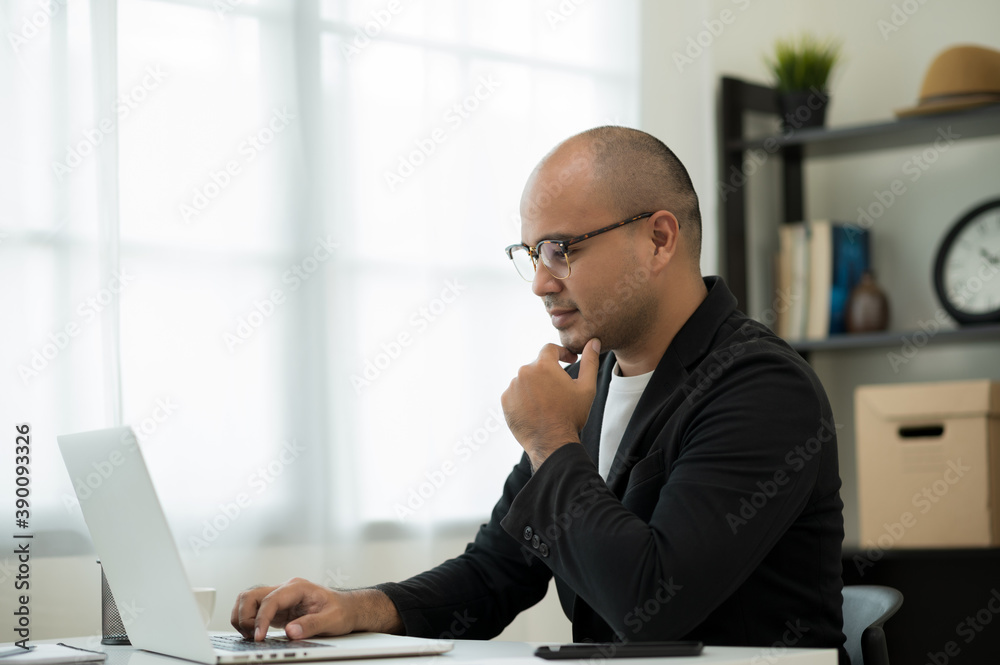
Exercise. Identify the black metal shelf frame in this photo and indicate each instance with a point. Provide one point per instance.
(794, 146)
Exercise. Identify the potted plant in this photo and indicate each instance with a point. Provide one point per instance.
(801, 70)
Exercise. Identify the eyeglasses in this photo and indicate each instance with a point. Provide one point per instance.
(555, 253)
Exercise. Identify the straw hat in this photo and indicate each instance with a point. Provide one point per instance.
(960, 77)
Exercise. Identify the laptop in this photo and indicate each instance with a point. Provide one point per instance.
(145, 572)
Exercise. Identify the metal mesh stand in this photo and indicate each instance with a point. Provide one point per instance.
(112, 627)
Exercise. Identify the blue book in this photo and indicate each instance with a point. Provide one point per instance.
(850, 262)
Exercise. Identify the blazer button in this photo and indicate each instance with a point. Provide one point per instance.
(536, 541)
(528, 533)
(543, 549)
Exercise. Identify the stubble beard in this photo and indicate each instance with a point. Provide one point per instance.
(622, 318)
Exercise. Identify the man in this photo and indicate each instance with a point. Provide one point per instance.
(680, 480)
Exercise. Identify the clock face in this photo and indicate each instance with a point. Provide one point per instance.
(967, 271)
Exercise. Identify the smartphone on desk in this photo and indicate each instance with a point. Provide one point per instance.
(613, 650)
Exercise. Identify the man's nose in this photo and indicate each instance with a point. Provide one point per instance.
(543, 282)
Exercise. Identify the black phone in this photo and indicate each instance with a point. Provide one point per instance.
(626, 650)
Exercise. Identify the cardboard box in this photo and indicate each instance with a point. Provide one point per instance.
(929, 464)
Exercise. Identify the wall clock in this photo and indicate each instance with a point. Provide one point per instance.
(967, 268)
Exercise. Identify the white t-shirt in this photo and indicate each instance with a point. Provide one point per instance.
(623, 395)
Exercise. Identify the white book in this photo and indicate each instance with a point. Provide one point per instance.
(798, 290)
(820, 278)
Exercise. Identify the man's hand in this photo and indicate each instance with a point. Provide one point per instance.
(544, 407)
(305, 610)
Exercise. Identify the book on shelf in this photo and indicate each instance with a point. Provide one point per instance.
(819, 263)
(793, 271)
(851, 260)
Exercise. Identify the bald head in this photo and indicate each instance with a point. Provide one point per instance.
(632, 172)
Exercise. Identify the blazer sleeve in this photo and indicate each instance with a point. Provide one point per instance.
(659, 580)
(477, 594)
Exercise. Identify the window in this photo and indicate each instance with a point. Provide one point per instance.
(318, 318)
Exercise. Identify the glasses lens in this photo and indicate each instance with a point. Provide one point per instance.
(555, 259)
(522, 261)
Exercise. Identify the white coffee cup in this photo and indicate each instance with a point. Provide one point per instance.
(205, 597)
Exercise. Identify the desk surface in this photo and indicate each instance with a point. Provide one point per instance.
(511, 653)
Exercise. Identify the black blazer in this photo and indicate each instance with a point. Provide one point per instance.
(721, 519)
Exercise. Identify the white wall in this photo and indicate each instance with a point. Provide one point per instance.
(678, 104)
(882, 70)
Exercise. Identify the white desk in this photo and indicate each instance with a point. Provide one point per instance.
(475, 652)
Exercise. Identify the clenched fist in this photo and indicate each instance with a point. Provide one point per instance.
(545, 408)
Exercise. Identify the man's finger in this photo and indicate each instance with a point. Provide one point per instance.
(303, 627)
(550, 352)
(590, 362)
(566, 356)
(234, 616)
(282, 598)
(246, 611)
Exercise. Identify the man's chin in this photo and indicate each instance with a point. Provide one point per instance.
(571, 342)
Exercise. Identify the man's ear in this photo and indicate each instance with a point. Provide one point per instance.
(666, 237)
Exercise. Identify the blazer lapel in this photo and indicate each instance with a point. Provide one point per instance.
(687, 348)
(668, 376)
(590, 435)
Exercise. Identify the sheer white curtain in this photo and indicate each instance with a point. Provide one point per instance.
(276, 229)
(58, 243)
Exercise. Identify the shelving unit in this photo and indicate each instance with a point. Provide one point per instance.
(892, 338)
(794, 147)
(822, 142)
(940, 586)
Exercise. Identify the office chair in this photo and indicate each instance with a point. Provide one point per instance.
(866, 608)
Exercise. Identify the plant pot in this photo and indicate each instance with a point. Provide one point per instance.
(803, 108)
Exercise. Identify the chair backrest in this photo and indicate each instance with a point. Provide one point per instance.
(866, 608)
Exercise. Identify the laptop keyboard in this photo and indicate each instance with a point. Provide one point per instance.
(237, 643)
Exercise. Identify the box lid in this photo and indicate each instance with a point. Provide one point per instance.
(940, 399)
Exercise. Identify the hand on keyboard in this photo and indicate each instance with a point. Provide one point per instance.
(305, 609)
